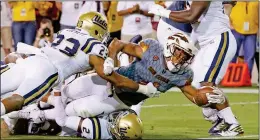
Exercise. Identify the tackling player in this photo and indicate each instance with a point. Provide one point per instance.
(217, 48)
(73, 51)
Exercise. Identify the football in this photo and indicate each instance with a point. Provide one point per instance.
(201, 98)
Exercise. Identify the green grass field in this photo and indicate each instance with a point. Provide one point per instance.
(172, 116)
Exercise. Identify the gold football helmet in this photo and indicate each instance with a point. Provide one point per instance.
(95, 24)
(127, 125)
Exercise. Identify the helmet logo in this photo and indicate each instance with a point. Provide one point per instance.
(122, 132)
(79, 24)
(177, 40)
(182, 38)
(102, 23)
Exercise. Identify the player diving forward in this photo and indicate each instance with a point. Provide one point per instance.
(73, 51)
(92, 97)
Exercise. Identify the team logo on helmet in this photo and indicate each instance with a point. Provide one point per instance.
(79, 24)
(98, 21)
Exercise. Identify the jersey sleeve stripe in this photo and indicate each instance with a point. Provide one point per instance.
(86, 44)
(218, 59)
(40, 90)
(4, 68)
(89, 45)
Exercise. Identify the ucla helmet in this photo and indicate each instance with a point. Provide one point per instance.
(95, 24)
(126, 125)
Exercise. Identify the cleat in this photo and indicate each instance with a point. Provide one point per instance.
(218, 126)
(232, 130)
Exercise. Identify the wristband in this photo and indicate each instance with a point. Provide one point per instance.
(142, 89)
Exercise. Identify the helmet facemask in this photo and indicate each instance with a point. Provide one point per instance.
(179, 59)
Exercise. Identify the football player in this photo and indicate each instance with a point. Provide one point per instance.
(73, 51)
(120, 124)
(217, 48)
(92, 97)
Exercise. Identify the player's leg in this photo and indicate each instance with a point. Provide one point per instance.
(40, 76)
(84, 86)
(137, 108)
(11, 78)
(213, 64)
(249, 46)
(93, 105)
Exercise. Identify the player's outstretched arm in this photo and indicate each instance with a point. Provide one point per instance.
(119, 80)
(185, 16)
(127, 47)
(205, 96)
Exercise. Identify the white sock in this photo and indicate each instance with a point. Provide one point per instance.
(137, 108)
(228, 115)
(72, 122)
(60, 110)
(210, 114)
(2, 109)
(51, 100)
(44, 105)
(50, 114)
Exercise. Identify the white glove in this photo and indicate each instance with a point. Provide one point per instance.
(149, 90)
(159, 11)
(108, 66)
(218, 99)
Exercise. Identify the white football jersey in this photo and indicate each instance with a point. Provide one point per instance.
(212, 22)
(95, 128)
(71, 49)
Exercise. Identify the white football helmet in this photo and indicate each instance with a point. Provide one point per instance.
(179, 52)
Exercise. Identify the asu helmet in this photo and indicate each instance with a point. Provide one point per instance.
(126, 125)
(95, 24)
(179, 51)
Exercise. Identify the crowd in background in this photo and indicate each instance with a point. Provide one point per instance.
(36, 23)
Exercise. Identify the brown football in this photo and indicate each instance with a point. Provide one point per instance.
(201, 98)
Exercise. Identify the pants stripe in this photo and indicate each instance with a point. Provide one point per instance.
(40, 90)
(218, 59)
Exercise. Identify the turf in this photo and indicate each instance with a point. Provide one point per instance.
(177, 118)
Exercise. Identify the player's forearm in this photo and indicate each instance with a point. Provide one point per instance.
(115, 47)
(190, 92)
(125, 12)
(191, 15)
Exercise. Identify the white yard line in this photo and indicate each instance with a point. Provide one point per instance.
(237, 137)
(183, 105)
(229, 90)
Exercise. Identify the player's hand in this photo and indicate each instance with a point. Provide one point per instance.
(218, 98)
(108, 66)
(158, 10)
